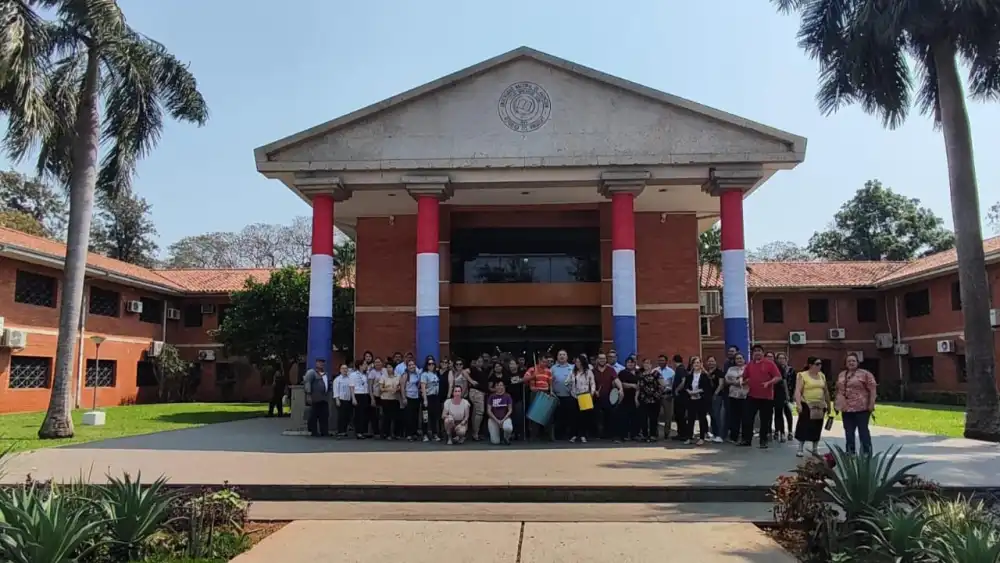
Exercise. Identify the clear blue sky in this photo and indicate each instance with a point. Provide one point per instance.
(269, 69)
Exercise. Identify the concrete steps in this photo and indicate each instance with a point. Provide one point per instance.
(743, 512)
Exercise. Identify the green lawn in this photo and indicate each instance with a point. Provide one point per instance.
(942, 420)
(20, 430)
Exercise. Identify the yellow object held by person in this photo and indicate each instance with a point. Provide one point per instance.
(585, 401)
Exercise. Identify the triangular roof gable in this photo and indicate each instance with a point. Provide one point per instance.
(795, 143)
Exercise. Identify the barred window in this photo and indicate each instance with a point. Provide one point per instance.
(192, 315)
(105, 377)
(152, 311)
(145, 374)
(35, 289)
(224, 373)
(105, 302)
(28, 372)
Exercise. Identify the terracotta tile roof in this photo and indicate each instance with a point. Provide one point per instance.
(17, 240)
(806, 275)
(214, 281)
(941, 260)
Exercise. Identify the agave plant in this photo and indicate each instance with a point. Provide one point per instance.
(862, 485)
(978, 542)
(42, 526)
(897, 533)
(134, 512)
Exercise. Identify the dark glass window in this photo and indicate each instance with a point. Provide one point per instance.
(774, 311)
(104, 372)
(921, 369)
(104, 302)
(192, 315)
(531, 255)
(145, 374)
(28, 372)
(828, 369)
(35, 289)
(871, 365)
(956, 296)
(224, 373)
(152, 311)
(706, 326)
(917, 303)
(867, 310)
(819, 310)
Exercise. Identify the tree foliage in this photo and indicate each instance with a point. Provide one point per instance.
(23, 198)
(780, 251)
(124, 230)
(710, 246)
(172, 375)
(259, 245)
(879, 224)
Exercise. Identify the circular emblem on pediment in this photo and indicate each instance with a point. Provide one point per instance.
(524, 107)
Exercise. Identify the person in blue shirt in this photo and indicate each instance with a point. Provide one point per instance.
(613, 361)
(411, 400)
(667, 403)
(562, 370)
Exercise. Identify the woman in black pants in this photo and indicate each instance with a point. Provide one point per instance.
(626, 413)
(737, 398)
(783, 391)
(699, 388)
(648, 400)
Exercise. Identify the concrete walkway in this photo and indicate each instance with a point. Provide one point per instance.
(254, 452)
(492, 542)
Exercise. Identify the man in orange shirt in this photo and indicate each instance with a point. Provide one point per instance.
(539, 380)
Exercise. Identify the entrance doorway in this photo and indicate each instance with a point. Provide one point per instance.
(528, 341)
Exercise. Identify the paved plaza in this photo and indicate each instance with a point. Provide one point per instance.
(253, 452)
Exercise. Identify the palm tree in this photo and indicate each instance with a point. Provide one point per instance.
(867, 52)
(53, 77)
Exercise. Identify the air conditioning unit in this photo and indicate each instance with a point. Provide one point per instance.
(797, 338)
(15, 338)
(946, 346)
(173, 314)
(995, 318)
(133, 306)
(710, 303)
(859, 354)
(206, 355)
(208, 309)
(838, 334)
(901, 349)
(155, 349)
(884, 341)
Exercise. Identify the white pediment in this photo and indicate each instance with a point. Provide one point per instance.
(530, 109)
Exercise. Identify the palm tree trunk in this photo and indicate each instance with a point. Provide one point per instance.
(982, 420)
(83, 178)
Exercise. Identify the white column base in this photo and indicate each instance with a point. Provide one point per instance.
(94, 418)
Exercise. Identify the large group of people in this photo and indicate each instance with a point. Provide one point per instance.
(585, 398)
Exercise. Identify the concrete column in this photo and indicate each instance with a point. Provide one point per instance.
(320, 343)
(730, 186)
(428, 191)
(623, 188)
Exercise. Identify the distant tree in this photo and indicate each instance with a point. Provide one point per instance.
(780, 251)
(993, 217)
(345, 254)
(710, 246)
(259, 245)
(266, 322)
(879, 224)
(36, 199)
(123, 229)
(20, 221)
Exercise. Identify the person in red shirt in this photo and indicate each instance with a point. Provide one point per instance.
(760, 374)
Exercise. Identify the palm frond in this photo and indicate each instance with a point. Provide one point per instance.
(24, 54)
(62, 97)
(979, 46)
(96, 22)
(176, 85)
(927, 95)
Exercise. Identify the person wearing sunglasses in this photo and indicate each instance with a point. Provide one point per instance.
(813, 401)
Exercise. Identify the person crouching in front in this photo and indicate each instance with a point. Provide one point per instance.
(456, 412)
(501, 407)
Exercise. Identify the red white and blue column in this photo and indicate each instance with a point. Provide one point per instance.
(428, 277)
(734, 271)
(623, 272)
(320, 343)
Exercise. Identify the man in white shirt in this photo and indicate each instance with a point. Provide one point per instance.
(401, 366)
(318, 390)
(342, 399)
(667, 382)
